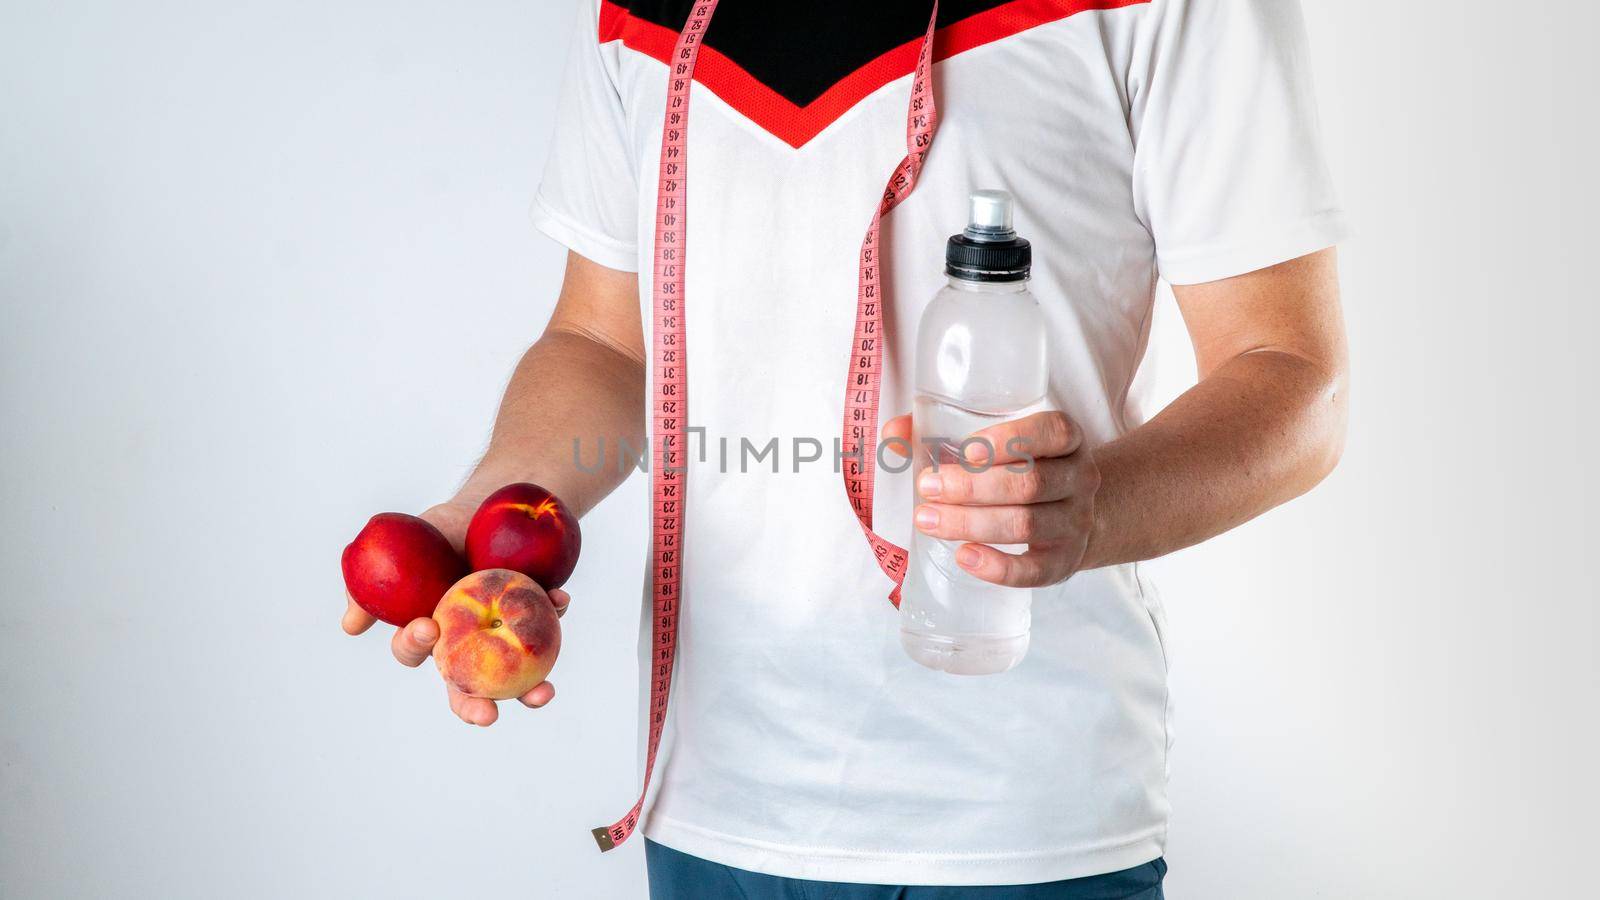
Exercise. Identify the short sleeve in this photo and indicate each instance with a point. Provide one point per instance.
(1229, 172)
(588, 198)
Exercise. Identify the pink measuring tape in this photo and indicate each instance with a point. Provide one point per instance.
(670, 387)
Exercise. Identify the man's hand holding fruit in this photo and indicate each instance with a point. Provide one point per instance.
(476, 587)
(583, 379)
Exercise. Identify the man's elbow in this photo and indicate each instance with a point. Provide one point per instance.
(1327, 424)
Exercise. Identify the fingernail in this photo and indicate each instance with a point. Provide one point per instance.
(968, 558)
(930, 484)
(927, 517)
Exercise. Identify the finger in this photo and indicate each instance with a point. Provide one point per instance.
(1038, 567)
(561, 600)
(413, 643)
(356, 619)
(473, 710)
(1032, 523)
(1044, 481)
(1039, 435)
(541, 694)
(896, 435)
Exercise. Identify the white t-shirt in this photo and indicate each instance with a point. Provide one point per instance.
(1141, 138)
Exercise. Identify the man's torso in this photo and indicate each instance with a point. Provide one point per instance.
(801, 740)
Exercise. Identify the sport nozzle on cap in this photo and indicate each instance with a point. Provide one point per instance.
(988, 249)
(989, 216)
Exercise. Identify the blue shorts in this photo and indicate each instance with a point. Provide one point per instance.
(679, 876)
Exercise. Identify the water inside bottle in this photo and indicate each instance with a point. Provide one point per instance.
(951, 620)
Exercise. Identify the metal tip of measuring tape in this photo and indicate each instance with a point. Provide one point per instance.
(602, 836)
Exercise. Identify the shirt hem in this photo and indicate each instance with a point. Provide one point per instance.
(564, 230)
(905, 868)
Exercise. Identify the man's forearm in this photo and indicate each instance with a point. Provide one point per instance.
(568, 387)
(1262, 429)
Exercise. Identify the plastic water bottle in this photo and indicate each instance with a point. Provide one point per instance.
(981, 359)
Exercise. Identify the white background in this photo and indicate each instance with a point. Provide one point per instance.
(265, 266)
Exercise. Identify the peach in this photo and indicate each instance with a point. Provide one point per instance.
(527, 529)
(498, 634)
(399, 566)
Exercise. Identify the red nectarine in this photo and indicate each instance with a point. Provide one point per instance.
(527, 529)
(399, 566)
